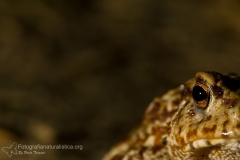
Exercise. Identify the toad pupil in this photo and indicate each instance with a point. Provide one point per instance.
(199, 93)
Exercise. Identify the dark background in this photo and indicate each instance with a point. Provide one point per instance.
(83, 72)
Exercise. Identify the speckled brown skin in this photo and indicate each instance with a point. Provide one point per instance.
(197, 120)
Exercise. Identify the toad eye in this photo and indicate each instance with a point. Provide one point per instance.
(201, 95)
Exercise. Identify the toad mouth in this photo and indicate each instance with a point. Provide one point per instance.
(204, 143)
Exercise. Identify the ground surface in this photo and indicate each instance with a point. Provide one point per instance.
(83, 72)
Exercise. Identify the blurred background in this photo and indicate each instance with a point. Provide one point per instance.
(83, 72)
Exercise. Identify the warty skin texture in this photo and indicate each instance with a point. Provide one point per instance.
(197, 120)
